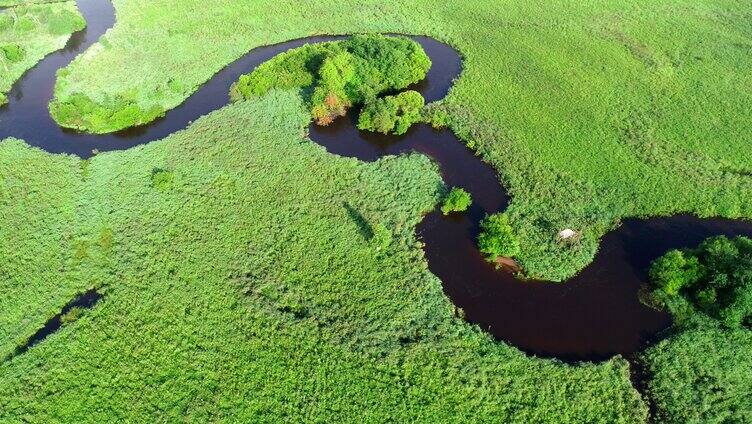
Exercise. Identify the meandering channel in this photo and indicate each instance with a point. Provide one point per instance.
(590, 317)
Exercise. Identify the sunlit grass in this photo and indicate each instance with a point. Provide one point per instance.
(30, 32)
(250, 275)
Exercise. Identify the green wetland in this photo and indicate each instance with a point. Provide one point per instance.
(238, 285)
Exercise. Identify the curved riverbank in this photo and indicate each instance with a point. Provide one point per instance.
(592, 316)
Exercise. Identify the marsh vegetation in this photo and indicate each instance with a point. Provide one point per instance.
(286, 295)
(307, 277)
(28, 32)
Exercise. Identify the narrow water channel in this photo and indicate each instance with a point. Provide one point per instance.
(85, 300)
(591, 317)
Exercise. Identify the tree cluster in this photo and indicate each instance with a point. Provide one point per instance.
(337, 75)
(714, 279)
(458, 200)
(392, 114)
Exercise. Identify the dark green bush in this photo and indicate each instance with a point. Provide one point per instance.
(715, 279)
(497, 238)
(13, 52)
(392, 114)
(458, 200)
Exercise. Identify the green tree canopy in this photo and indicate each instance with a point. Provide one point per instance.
(497, 237)
(714, 279)
(337, 75)
(392, 114)
(458, 200)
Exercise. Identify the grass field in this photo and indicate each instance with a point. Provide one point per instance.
(702, 374)
(28, 33)
(591, 112)
(8, 3)
(239, 286)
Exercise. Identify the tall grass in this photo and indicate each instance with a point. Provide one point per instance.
(702, 374)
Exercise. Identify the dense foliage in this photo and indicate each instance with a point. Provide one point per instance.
(703, 372)
(702, 375)
(239, 286)
(12, 52)
(458, 200)
(392, 114)
(336, 75)
(497, 237)
(715, 279)
(30, 32)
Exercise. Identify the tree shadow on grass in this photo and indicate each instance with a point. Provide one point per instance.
(364, 228)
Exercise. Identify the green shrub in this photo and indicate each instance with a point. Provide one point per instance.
(497, 238)
(436, 115)
(392, 114)
(162, 180)
(3, 99)
(79, 111)
(674, 271)
(330, 98)
(382, 237)
(714, 279)
(458, 200)
(13, 52)
(106, 238)
(25, 23)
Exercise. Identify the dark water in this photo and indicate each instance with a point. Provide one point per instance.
(86, 300)
(591, 317)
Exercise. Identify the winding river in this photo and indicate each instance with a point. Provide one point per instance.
(593, 316)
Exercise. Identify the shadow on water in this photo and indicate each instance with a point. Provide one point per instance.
(591, 317)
